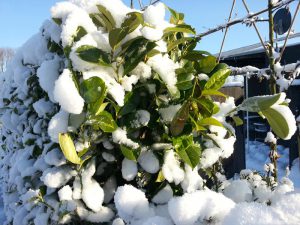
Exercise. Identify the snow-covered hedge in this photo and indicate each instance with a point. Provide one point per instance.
(108, 116)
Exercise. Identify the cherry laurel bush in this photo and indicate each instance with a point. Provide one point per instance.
(109, 115)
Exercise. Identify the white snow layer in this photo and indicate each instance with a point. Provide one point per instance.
(66, 93)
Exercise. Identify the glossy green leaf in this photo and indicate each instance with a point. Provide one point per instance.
(104, 121)
(129, 153)
(68, 148)
(184, 28)
(205, 106)
(75, 120)
(93, 55)
(259, 103)
(134, 56)
(277, 121)
(180, 41)
(213, 92)
(97, 20)
(116, 35)
(79, 33)
(107, 17)
(206, 64)
(210, 121)
(195, 55)
(132, 21)
(187, 150)
(176, 17)
(237, 120)
(93, 89)
(179, 120)
(184, 81)
(218, 78)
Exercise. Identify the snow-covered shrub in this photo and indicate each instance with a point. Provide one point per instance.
(108, 115)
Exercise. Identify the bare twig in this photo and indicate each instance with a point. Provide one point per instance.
(224, 37)
(256, 29)
(241, 20)
(271, 49)
(141, 4)
(289, 32)
(131, 4)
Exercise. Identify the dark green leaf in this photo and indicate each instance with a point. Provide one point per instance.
(136, 55)
(205, 106)
(116, 35)
(79, 33)
(93, 89)
(97, 20)
(206, 64)
(194, 55)
(129, 153)
(188, 151)
(180, 41)
(75, 120)
(107, 17)
(184, 81)
(104, 121)
(132, 21)
(93, 55)
(58, 21)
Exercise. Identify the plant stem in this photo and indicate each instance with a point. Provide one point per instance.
(273, 153)
(271, 48)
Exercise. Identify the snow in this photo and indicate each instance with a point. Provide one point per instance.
(129, 169)
(92, 194)
(71, 20)
(270, 138)
(199, 206)
(152, 34)
(165, 67)
(142, 118)
(192, 180)
(155, 14)
(163, 196)
(169, 112)
(108, 76)
(66, 93)
(42, 107)
(149, 162)
(58, 124)
(238, 191)
(171, 168)
(143, 71)
(47, 73)
(65, 193)
(131, 203)
(31, 158)
(120, 137)
(128, 82)
(56, 177)
(55, 158)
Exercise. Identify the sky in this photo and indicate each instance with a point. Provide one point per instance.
(20, 19)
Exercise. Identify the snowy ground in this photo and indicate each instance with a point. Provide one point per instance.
(257, 156)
